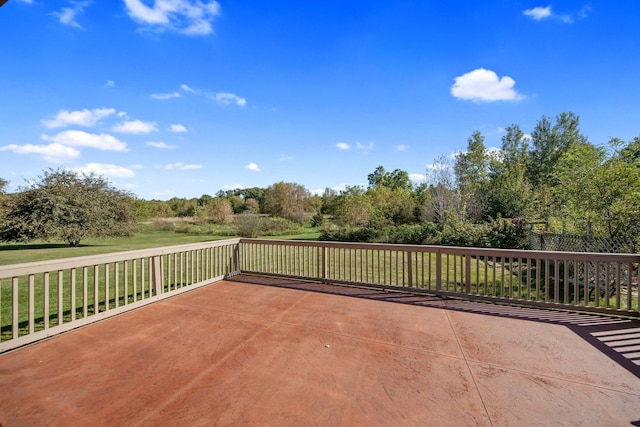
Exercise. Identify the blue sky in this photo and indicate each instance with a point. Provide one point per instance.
(184, 97)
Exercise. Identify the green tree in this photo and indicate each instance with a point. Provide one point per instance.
(3, 198)
(352, 207)
(68, 206)
(251, 206)
(600, 191)
(289, 200)
(219, 211)
(396, 179)
(390, 206)
(470, 169)
(549, 142)
(423, 211)
(204, 200)
(328, 201)
(508, 190)
(184, 207)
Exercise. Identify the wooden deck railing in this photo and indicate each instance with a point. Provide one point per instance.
(606, 283)
(41, 299)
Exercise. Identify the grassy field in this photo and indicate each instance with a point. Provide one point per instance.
(150, 235)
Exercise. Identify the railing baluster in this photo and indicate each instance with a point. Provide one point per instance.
(31, 302)
(85, 292)
(60, 297)
(618, 286)
(106, 287)
(15, 307)
(116, 283)
(73, 302)
(45, 308)
(96, 294)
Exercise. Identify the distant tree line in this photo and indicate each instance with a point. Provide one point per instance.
(477, 197)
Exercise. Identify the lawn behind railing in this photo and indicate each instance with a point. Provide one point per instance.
(44, 298)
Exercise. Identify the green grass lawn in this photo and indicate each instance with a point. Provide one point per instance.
(149, 236)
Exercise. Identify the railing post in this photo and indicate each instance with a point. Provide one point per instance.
(158, 278)
(467, 267)
(236, 259)
(438, 270)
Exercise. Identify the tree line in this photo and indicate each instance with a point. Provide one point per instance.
(553, 175)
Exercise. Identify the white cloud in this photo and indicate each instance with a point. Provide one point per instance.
(78, 138)
(136, 126)
(361, 146)
(67, 16)
(182, 166)
(402, 147)
(343, 145)
(87, 118)
(582, 13)
(230, 98)
(160, 144)
(110, 83)
(187, 88)
(55, 152)
(484, 85)
(178, 128)
(417, 177)
(106, 170)
(166, 95)
(538, 13)
(252, 167)
(184, 16)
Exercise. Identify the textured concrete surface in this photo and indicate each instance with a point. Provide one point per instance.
(257, 351)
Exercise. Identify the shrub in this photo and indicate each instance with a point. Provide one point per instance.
(317, 220)
(416, 234)
(347, 234)
(163, 225)
(249, 225)
(219, 211)
(508, 234)
(463, 233)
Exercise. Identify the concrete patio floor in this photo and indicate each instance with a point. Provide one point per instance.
(258, 351)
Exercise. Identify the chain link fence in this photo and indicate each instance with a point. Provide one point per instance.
(574, 243)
